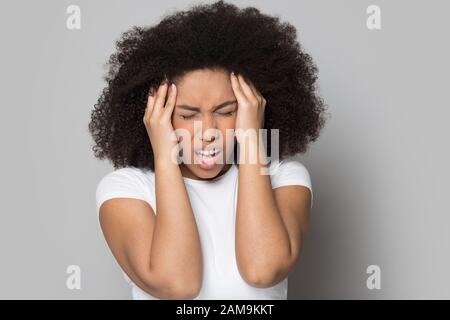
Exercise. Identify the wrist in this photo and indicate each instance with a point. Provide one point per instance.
(166, 161)
(252, 151)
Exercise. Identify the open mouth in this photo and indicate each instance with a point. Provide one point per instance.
(207, 158)
(204, 153)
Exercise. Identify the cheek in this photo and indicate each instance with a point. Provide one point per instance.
(183, 128)
(175, 123)
(178, 123)
(227, 125)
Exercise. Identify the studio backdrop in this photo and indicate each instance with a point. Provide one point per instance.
(380, 222)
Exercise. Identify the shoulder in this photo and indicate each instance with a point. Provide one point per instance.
(127, 174)
(289, 171)
(127, 182)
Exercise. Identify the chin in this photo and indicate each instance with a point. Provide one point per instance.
(207, 173)
(204, 171)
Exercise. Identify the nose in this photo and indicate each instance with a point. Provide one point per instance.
(209, 129)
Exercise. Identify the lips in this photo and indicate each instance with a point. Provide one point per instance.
(210, 152)
(208, 158)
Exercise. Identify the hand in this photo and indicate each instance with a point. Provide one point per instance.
(157, 120)
(251, 106)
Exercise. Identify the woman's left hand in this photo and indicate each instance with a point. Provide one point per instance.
(251, 105)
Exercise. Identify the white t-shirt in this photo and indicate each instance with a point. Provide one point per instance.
(214, 205)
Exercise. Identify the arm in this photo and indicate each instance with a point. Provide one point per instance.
(270, 225)
(161, 253)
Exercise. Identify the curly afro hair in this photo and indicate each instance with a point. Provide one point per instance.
(260, 47)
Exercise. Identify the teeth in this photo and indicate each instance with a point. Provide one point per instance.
(206, 153)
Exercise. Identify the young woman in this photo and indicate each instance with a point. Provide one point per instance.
(211, 226)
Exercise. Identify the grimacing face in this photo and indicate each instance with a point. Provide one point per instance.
(205, 96)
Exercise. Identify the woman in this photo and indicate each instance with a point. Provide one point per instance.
(186, 213)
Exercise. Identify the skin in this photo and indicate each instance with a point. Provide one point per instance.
(161, 253)
(210, 93)
(270, 224)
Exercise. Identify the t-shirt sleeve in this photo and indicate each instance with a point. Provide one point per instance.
(290, 172)
(121, 183)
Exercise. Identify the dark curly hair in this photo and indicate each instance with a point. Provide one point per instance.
(219, 35)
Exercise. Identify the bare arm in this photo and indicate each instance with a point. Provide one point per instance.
(161, 253)
(176, 246)
(270, 225)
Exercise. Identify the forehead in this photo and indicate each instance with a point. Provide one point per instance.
(204, 88)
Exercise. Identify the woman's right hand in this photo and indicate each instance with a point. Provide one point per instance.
(157, 120)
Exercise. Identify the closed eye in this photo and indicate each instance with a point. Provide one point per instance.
(187, 117)
(227, 114)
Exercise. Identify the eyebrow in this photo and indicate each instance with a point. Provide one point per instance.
(222, 105)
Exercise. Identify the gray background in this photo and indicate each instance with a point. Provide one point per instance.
(380, 169)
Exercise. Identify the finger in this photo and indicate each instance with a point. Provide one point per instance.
(160, 98)
(149, 107)
(170, 104)
(246, 89)
(258, 95)
(236, 86)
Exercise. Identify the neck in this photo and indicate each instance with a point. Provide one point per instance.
(185, 172)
